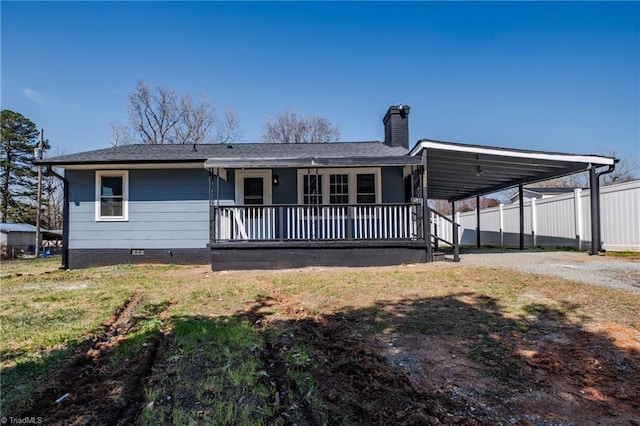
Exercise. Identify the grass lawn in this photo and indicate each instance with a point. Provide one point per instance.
(268, 347)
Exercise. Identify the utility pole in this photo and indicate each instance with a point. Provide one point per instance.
(38, 156)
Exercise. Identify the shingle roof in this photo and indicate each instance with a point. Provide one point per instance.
(202, 152)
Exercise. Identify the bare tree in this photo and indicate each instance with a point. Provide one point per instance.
(120, 135)
(289, 127)
(154, 116)
(162, 116)
(52, 202)
(627, 169)
(52, 196)
(444, 207)
(228, 130)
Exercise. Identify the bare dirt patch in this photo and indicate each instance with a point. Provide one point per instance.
(88, 388)
(542, 371)
(354, 384)
(453, 360)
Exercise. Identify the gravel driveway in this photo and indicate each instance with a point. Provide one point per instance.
(597, 270)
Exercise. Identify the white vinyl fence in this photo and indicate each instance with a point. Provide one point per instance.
(560, 221)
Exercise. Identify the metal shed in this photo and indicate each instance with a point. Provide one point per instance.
(17, 238)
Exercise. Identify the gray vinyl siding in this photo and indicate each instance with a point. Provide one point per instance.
(392, 185)
(287, 191)
(226, 188)
(170, 208)
(167, 209)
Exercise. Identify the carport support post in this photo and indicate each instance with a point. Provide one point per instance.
(521, 207)
(594, 187)
(454, 233)
(426, 212)
(477, 221)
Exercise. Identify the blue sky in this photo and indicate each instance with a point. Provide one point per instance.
(549, 76)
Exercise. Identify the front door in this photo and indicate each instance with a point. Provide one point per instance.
(255, 221)
(253, 187)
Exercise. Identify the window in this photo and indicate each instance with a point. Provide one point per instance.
(312, 189)
(253, 190)
(112, 188)
(339, 189)
(366, 188)
(340, 186)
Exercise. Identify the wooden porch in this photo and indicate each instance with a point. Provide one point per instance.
(355, 222)
(289, 236)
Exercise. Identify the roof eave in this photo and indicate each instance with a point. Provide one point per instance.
(309, 162)
(507, 152)
(120, 163)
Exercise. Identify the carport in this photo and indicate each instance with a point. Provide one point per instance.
(455, 171)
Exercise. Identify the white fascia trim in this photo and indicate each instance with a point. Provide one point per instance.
(590, 159)
(130, 166)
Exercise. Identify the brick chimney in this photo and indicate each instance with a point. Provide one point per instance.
(396, 126)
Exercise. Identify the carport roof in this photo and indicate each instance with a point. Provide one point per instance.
(457, 171)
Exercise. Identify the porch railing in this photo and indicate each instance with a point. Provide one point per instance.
(444, 230)
(326, 222)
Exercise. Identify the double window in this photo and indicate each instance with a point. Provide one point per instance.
(337, 186)
(112, 195)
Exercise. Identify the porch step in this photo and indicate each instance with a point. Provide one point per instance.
(438, 256)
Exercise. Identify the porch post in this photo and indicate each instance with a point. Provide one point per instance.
(478, 221)
(211, 210)
(521, 206)
(426, 214)
(214, 204)
(317, 222)
(594, 188)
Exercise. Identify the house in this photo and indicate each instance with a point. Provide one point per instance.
(20, 238)
(530, 193)
(254, 205)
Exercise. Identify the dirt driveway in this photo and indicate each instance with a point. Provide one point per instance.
(597, 270)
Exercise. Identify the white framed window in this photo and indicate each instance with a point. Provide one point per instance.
(112, 195)
(340, 186)
(312, 189)
(365, 188)
(253, 187)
